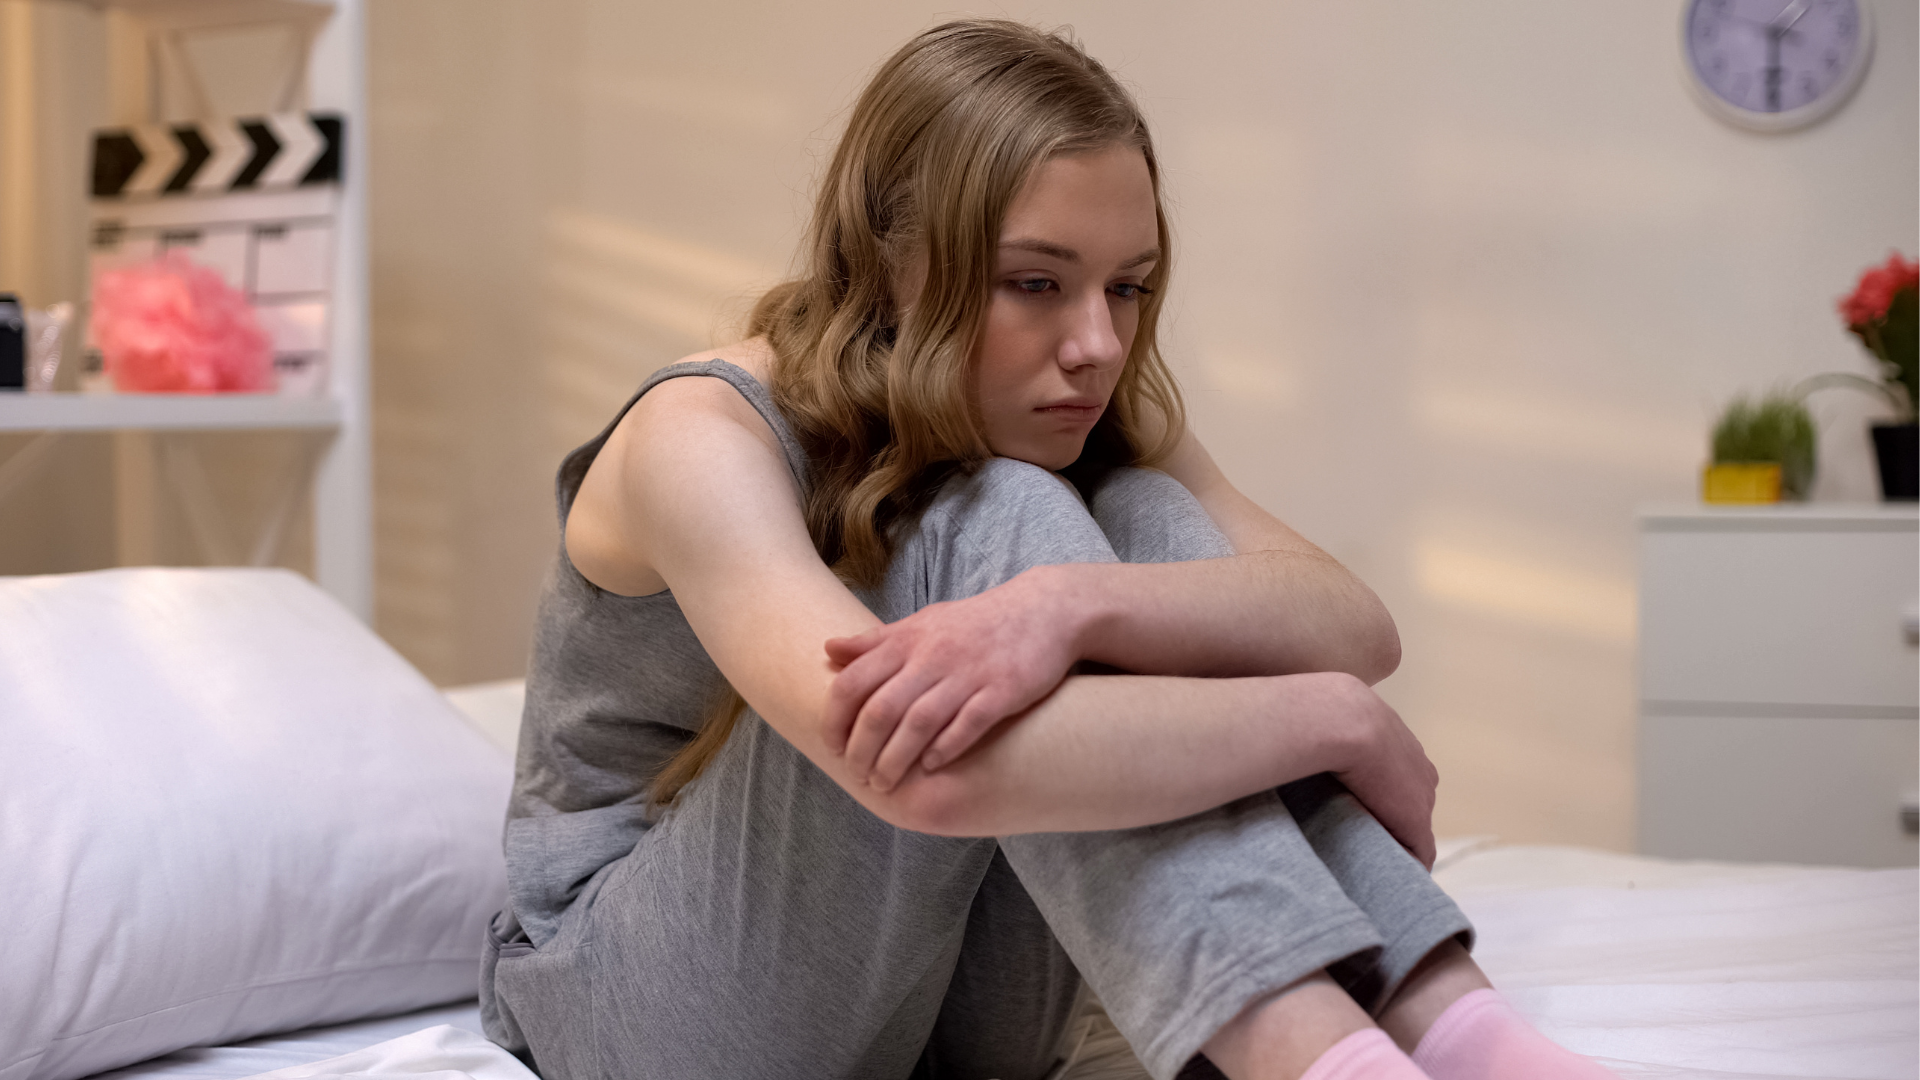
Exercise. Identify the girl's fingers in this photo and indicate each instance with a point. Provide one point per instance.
(850, 690)
(926, 717)
(1419, 845)
(877, 719)
(845, 650)
(981, 714)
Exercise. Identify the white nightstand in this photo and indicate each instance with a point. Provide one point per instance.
(1779, 683)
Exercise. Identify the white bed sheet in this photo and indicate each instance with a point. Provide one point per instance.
(274, 1052)
(1710, 971)
(1659, 969)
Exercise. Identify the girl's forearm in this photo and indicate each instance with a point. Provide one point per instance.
(1113, 752)
(1275, 612)
(1282, 605)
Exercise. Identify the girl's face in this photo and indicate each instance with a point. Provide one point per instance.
(1078, 241)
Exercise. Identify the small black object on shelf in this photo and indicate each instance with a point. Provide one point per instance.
(13, 343)
(1898, 448)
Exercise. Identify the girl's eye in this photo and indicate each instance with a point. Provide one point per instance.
(1127, 291)
(1033, 286)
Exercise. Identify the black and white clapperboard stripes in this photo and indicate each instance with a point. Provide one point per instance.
(206, 158)
(253, 198)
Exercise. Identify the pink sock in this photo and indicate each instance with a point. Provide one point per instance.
(1480, 1037)
(1363, 1055)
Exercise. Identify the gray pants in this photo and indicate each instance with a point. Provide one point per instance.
(769, 926)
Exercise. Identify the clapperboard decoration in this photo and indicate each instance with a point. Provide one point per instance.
(253, 198)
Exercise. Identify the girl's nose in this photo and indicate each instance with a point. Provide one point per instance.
(1091, 340)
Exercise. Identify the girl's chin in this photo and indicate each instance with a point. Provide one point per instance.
(1051, 457)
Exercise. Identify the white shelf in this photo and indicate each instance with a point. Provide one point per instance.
(334, 74)
(1781, 517)
(164, 412)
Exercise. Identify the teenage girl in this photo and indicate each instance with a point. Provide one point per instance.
(909, 667)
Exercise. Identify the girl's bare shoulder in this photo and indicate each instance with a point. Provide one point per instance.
(679, 428)
(694, 400)
(753, 354)
(698, 401)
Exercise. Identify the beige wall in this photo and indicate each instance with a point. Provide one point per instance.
(1459, 288)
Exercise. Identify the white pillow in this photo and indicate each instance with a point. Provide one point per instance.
(226, 809)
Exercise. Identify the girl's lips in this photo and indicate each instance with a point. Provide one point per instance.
(1085, 414)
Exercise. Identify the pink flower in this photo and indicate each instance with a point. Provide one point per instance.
(1876, 290)
(169, 325)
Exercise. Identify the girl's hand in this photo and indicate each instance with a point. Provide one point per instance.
(1389, 772)
(926, 688)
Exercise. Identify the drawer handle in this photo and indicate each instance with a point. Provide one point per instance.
(1910, 625)
(1910, 814)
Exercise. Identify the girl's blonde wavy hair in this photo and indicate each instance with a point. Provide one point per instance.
(935, 151)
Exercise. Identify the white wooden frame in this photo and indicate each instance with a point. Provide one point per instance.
(343, 480)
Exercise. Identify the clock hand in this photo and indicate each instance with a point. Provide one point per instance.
(1766, 27)
(1773, 70)
(1777, 32)
(1779, 28)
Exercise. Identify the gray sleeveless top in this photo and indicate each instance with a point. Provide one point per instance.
(615, 687)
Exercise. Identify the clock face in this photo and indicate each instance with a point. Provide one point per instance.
(1774, 64)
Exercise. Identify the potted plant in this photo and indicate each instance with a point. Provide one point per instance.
(1881, 312)
(1763, 451)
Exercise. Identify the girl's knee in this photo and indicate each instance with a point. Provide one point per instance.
(1024, 485)
(1135, 484)
(1001, 518)
(1004, 492)
(1148, 516)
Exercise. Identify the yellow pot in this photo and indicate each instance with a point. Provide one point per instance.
(1741, 482)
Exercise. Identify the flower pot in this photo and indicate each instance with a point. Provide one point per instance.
(1898, 448)
(1741, 482)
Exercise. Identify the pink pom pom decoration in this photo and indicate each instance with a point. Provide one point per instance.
(170, 326)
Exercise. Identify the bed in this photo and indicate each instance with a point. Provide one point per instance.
(355, 782)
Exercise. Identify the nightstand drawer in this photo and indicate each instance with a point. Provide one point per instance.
(1778, 789)
(1783, 617)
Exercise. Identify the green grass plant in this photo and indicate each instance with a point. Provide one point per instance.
(1774, 428)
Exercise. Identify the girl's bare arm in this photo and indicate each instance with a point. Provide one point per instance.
(1097, 753)
(928, 687)
(1279, 606)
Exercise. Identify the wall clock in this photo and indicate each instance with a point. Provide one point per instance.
(1775, 65)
